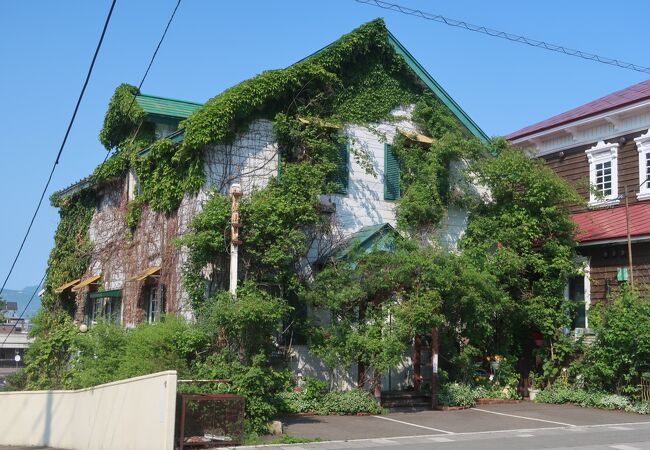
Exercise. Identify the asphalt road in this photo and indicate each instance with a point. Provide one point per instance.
(514, 426)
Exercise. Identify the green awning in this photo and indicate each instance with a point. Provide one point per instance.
(115, 293)
(380, 237)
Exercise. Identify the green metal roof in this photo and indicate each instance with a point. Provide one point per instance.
(168, 107)
(430, 83)
(433, 85)
(380, 237)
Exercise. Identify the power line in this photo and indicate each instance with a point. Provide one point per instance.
(504, 35)
(144, 77)
(40, 283)
(65, 139)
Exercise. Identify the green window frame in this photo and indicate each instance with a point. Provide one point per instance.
(104, 305)
(341, 177)
(391, 174)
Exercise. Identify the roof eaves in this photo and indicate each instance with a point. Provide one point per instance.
(359, 238)
(78, 186)
(438, 90)
(431, 83)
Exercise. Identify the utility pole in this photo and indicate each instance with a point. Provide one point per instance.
(629, 239)
(235, 195)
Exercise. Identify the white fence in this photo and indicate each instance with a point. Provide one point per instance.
(138, 414)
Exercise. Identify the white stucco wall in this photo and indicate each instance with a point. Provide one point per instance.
(134, 414)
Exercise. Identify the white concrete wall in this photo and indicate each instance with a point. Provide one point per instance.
(303, 364)
(138, 414)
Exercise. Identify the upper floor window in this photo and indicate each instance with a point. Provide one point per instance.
(391, 174)
(603, 173)
(643, 147)
(340, 178)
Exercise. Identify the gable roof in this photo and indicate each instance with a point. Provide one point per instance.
(430, 83)
(433, 85)
(631, 94)
(167, 107)
(379, 237)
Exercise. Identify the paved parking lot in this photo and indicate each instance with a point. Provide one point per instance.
(511, 426)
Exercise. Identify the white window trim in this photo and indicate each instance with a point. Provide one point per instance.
(586, 271)
(643, 147)
(599, 153)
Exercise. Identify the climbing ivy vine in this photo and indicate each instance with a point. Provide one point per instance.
(70, 255)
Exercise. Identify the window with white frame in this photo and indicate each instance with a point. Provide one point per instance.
(578, 290)
(155, 303)
(603, 173)
(643, 147)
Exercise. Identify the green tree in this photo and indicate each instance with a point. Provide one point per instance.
(523, 235)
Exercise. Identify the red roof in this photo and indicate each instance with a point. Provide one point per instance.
(609, 223)
(632, 94)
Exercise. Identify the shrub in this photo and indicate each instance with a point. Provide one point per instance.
(258, 382)
(618, 358)
(348, 402)
(640, 408)
(611, 401)
(565, 393)
(312, 400)
(456, 394)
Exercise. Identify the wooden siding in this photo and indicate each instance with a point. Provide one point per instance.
(574, 167)
(604, 262)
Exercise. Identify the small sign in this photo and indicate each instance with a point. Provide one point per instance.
(17, 358)
(434, 362)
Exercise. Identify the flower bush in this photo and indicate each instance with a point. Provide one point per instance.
(564, 393)
(314, 399)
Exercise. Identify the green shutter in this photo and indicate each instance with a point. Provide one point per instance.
(391, 174)
(341, 177)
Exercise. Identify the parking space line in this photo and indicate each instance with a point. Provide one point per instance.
(414, 425)
(522, 417)
(441, 439)
(624, 447)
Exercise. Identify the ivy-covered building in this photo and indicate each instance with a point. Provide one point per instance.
(315, 148)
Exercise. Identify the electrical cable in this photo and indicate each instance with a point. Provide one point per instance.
(24, 310)
(505, 35)
(65, 139)
(144, 77)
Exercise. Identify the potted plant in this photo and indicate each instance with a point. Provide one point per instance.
(534, 386)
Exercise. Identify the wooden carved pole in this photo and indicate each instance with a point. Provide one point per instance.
(434, 368)
(235, 194)
(417, 362)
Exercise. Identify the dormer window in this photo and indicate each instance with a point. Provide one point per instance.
(603, 174)
(643, 147)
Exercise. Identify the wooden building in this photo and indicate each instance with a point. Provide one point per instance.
(602, 148)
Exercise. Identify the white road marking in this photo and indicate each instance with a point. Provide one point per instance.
(615, 424)
(384, 441)
(525, 435)
(522, 417)
(624, 447)
(414, 425)
(621, 428)
(441, 439)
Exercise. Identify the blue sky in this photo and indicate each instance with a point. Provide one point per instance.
(46, 48)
